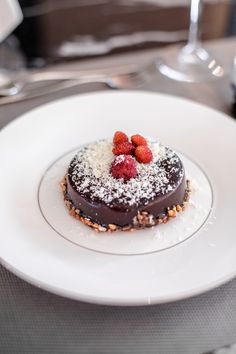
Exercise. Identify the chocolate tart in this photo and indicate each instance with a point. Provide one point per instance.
(105, 203)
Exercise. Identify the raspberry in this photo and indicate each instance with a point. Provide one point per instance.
(120, 137)
(125, 148)
(143, 154)
(138, 140)
(124, 166)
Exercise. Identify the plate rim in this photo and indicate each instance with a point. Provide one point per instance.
(24, 115)
(103, 300)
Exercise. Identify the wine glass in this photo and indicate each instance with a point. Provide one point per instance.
(193, 63)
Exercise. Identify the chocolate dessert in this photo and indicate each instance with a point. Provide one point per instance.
(122, 185)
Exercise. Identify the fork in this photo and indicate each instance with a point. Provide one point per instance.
(67, 79)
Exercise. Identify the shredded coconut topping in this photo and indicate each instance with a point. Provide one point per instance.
(90, 173)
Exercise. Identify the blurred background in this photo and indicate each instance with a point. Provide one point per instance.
(61, 30)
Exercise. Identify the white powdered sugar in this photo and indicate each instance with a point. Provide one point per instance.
(90, 173)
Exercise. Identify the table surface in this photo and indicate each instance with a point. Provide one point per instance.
(35, 321)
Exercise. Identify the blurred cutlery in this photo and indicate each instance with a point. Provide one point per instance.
(18, 90)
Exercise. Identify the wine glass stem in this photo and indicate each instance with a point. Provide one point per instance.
(195, 16)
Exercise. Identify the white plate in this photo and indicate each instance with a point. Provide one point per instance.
(193, 253)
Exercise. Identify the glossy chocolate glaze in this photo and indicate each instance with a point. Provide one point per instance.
(121, 214)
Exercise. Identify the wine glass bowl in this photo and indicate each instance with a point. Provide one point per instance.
(193, 63)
